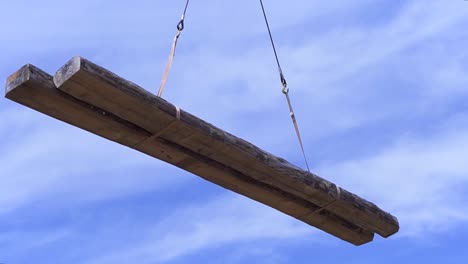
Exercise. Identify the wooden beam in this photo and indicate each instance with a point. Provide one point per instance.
(97, 86)
(34, 88)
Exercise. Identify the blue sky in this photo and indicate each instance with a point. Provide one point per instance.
(380, 90)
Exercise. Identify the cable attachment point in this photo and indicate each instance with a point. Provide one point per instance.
(180, 25)
(293, 116)
(284, 83)
(285, 87)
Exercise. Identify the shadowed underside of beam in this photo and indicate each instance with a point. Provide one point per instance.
(102, 103)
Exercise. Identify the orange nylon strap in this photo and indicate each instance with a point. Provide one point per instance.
(162, 131)
(169, 63)
(285, 86)
(296, 127)
(180, 28)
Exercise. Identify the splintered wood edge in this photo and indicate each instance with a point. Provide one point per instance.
(25, 74)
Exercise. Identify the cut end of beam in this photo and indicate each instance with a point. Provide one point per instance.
(69, 69)
(395, 227)
(18, 78)
(79, 77)
(386, 225)
(34, 88)
(26, 77)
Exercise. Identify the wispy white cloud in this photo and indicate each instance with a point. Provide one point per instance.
(420, 178)
(43, 157)
(222, 221)
(344, 76)
(331, 72)
(30, 240)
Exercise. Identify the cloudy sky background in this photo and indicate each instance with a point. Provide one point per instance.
(380, 90)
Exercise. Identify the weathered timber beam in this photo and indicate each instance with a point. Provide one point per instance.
(100, 87)
(34, 88)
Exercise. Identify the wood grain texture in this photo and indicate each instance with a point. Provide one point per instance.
(34, 88)
(97, 86)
